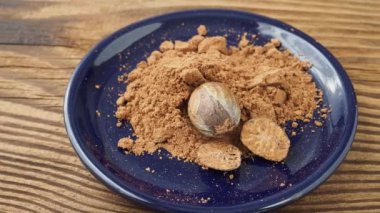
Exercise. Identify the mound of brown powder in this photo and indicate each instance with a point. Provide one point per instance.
(266, 81)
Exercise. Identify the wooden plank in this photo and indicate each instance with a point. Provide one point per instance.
(41, 41)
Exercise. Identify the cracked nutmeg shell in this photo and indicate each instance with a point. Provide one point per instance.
(213, 109)
(265, 138)
(220, 156)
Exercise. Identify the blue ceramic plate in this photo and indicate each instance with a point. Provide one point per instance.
(258, 185)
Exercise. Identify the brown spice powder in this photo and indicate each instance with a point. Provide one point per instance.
(267, 82)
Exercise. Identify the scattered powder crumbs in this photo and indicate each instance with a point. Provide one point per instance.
(324, 110)
(282, 184)
(231, 176)
(275, 42)
(318, 123)
(244, 42)
(267, 82)
(97, 86)
(294, 124)
(294, 133)
(125, 143)
(202, 30)
(204, 200)
(147, 169)
(98, 113)
(120, 101)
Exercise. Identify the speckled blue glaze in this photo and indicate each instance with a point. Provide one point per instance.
(258, 185)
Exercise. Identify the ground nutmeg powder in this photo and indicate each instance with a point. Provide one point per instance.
(267, 82)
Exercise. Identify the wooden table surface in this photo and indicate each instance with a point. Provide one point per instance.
(42, 41)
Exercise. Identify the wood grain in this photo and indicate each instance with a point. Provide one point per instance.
(41, 42)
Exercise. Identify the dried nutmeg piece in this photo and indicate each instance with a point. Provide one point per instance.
(213, 109)
(219, 156)
(265, 138)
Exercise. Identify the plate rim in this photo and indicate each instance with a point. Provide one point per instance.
(156, 203)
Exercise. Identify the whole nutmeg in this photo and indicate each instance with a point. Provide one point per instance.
(213, 109)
